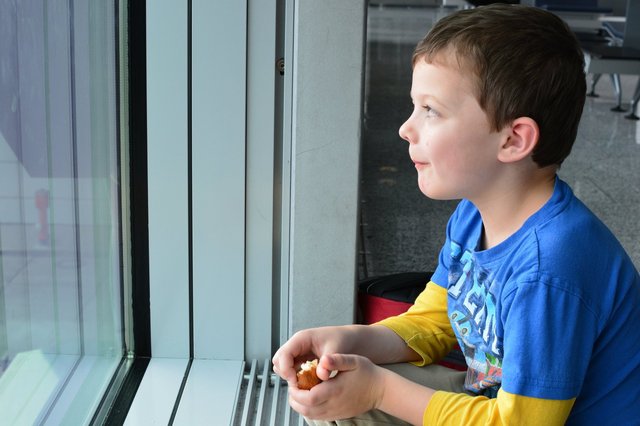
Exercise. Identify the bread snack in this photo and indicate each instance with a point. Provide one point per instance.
(307, 377)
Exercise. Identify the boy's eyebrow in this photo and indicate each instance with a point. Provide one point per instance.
(423, 96)
(432, 100)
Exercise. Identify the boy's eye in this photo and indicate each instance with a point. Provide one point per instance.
(430, 111)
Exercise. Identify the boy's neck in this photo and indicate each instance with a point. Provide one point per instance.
(509, 207)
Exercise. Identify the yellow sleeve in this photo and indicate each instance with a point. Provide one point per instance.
(425, 326)
(447, 408)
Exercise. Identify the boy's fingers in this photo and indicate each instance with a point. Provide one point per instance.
(283, 366)
(342, 362)
(330, 365)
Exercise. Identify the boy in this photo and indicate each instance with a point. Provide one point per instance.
(539, 294)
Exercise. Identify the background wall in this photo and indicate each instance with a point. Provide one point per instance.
(326, 120)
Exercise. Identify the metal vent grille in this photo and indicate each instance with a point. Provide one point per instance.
(262, 399)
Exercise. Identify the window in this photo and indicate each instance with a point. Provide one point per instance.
(216, 135)
(61, 222)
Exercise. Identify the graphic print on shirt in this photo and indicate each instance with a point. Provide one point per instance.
(472, 311)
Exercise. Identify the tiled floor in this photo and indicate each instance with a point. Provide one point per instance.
(402, 230)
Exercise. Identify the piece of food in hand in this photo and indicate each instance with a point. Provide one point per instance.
(307, 377)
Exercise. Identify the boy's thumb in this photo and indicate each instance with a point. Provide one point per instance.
(336, 362)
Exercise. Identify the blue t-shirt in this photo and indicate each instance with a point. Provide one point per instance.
(552, 312)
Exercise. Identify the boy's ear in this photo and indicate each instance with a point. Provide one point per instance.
(521, 138)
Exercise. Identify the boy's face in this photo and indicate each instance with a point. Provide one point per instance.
(450, 139)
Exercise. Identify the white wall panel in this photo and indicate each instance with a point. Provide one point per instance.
(168, 177)
(219, 32)
(261, 113)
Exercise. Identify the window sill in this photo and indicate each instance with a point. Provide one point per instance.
(216, 392)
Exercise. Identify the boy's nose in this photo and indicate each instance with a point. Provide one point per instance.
(406, 132)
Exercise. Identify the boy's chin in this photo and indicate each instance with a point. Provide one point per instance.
(434, 193)
(441, 198)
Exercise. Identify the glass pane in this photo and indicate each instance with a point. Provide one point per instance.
(60, 258)
(396, 238)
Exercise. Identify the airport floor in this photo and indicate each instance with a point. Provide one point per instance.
(401, 229)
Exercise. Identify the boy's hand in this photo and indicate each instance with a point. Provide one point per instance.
(357, 388)
(306, 345)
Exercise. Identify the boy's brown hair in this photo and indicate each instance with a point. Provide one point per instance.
(526, 62)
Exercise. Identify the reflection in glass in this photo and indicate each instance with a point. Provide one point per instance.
(60, 266)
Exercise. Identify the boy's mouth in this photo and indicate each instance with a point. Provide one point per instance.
(420, 164)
